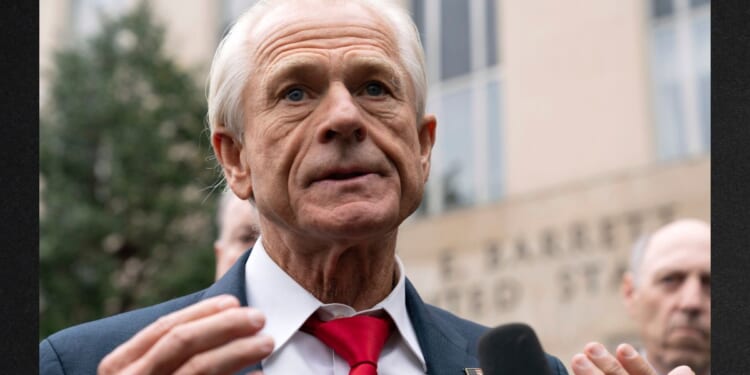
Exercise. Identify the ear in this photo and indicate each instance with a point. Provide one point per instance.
(426, 142)
(231, 155)
(627, 291)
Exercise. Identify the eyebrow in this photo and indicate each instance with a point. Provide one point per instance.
(670, 271)
(299, 68)
(291, 68)
(375, 66)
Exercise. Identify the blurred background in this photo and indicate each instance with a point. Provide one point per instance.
(565, 130)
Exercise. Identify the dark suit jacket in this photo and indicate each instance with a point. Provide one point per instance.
(449, 343)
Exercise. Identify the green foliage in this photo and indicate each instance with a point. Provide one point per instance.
(127, 210)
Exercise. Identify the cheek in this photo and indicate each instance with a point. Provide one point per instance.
(412, 171)
(278, 149)
(400, 144)
(655, 313)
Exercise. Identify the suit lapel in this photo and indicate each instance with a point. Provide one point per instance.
(233, 282)
(445, 349)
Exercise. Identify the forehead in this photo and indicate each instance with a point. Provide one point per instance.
(294, 27)
(683, 248)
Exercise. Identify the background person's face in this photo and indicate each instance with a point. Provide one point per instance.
(239, 232)
(331, 137)
(672, 304)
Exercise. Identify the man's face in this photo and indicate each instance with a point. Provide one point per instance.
(239, 231)
(672, 303)
(331, 141)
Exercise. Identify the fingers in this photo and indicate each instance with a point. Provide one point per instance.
(581, 365)
(138, 345)
(632, 361)
(214, 336)
(605, 361)
(596, 360)
(230, 358)
(192, 338)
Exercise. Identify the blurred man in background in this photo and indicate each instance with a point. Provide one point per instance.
(237, 221)
(667, 291)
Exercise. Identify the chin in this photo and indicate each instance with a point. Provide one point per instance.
(693, 353)
(697, 362)
(357, 221)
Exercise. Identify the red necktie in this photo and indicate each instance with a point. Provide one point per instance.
(357, 339)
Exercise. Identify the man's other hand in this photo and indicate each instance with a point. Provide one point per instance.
(596, 360)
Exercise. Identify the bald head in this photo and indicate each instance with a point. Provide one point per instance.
(679, 234)
(668, 295)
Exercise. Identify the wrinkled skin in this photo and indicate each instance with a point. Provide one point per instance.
(671, 300)
(332, 152)
(335, 158)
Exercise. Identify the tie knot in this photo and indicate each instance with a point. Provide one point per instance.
(357, 339)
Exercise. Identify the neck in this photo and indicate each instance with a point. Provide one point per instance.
(358, 273)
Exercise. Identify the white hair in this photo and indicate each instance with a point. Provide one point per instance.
(231, 66)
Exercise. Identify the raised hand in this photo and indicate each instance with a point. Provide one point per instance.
(596, 360)
(215, 336)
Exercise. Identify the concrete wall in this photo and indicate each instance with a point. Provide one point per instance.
(575, 89)
(552, 259)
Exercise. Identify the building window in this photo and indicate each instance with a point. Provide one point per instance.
(461, 48)
(455, 41)
(681, 77)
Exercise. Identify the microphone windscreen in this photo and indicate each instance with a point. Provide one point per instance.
(512, 349)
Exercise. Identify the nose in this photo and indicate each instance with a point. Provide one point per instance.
(343, 119)
(692, 298)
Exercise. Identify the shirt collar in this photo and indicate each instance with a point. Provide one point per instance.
(287, 305)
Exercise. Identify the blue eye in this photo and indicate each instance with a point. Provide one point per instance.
(295, 95)
(374, 89)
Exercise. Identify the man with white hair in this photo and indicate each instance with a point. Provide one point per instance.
(317, 115)
(316, 112)
(237, 221)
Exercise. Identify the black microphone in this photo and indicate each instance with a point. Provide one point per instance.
(512, 349)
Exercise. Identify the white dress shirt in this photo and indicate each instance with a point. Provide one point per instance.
(287, 305)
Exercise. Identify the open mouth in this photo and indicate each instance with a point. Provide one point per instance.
(345, 176)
